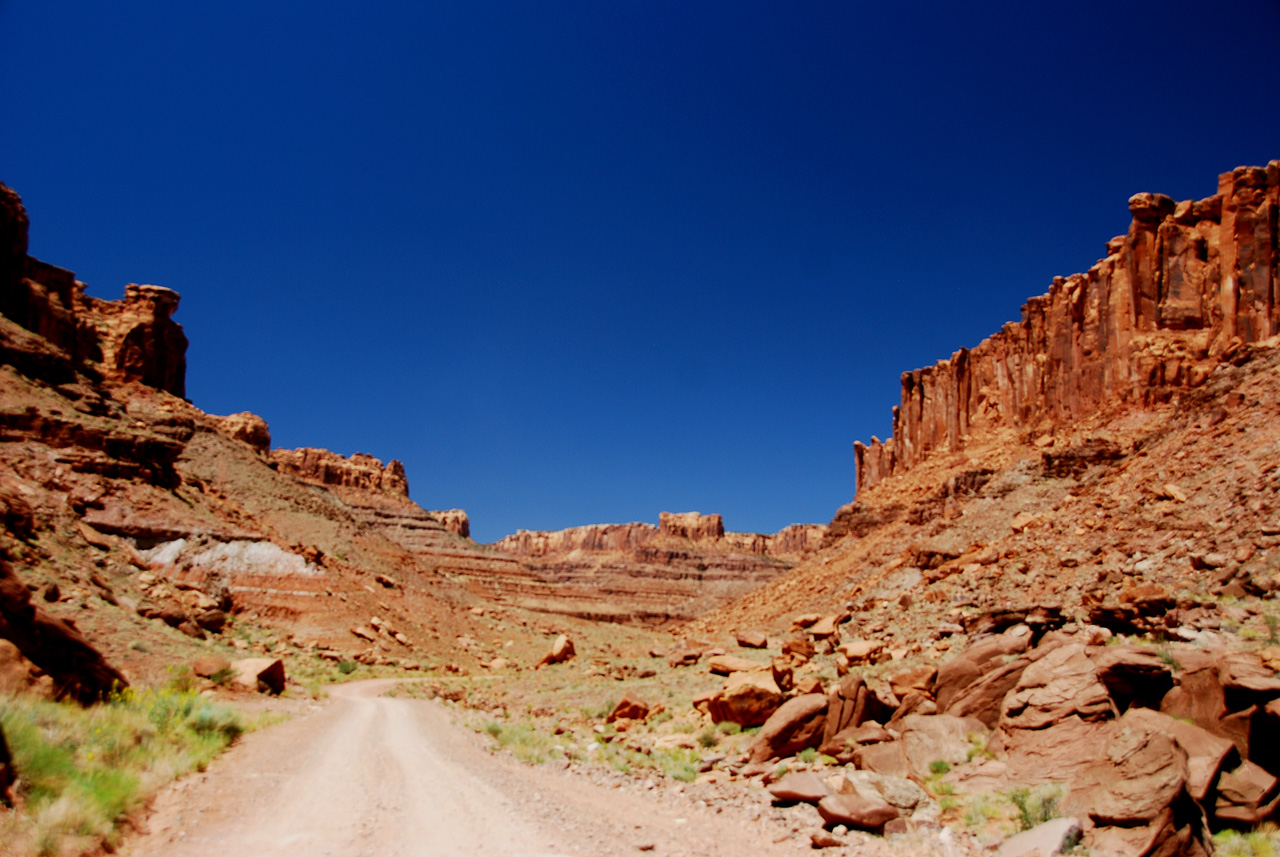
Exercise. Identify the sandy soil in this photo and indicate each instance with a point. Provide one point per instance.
(368, 775)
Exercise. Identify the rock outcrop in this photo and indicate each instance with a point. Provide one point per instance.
(134, 339)
(360, 471)
(1188, 285)
(79, 671)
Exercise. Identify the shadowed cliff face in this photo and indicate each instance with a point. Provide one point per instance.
(1188, 285)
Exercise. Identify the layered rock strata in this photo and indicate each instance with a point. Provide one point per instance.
(360, 471)
(134, 339)
(707, 531)
(1187, 286)
(637, 572)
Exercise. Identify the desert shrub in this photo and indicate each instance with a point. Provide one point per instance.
(939, 767)
(347, 667)
(1263, 842)
(728, 727)
(808, 755)
(83, 770)
(708, 737)
(1036, 806)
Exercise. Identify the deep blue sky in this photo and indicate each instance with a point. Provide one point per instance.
(582, 262)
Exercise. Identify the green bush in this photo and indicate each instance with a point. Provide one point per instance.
(939, 767)
(347, 667)
(83, 769)
(1037, 806)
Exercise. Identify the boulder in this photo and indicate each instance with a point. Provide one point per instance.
(802, 787)
(888, 758)
(800, 648)
(842, 705)
(1062, 684)
(1054, 754)
(913, 703)
(795, 726)
(919, 679)
(1206, 753)
(1246, 796)
(827, 626)
(561, 650)
(943, 737)
(212, 620)
(856, 811)
(209, 665)
(984, 698)
(752, 639)
(264, 675)
(805, 620)
(908, 797)
(845, 743)
(726, 664)
(961, 671)
(630, 707)
(748, 699)
(684, 657)
(862, 651)
(1050, 839)
(1141, 775)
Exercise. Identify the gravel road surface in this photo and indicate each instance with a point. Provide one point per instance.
(377, 777)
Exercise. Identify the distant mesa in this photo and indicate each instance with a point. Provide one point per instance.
(705, 531)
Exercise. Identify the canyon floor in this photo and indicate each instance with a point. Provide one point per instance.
(364, 774)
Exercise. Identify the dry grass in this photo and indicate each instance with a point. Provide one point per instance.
(83, 771)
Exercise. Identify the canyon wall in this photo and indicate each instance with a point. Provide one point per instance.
(1188, 285)
(706, 532)
(134, 339)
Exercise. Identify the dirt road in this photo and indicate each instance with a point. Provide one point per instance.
(367, 775)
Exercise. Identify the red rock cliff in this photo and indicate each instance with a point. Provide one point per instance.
(1186, 287)
(360, 471)
(131, 340)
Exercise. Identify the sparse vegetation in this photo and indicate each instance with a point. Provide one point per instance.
(1263, 842)
(939, 767)
(84, 770)
(1036, 806)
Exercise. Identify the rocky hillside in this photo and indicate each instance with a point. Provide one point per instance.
(143, 520)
